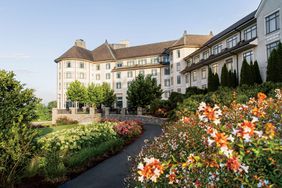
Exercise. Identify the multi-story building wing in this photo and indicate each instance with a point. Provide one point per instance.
(118, 65)
(251, 38)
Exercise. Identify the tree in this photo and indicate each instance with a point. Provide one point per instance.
(43, 112)
(16, 138)
(234, 82)
(251, 74)
(51, 105)
(224, 76)
(142, 91)
(77, 92)
(109, 95)
(245, 73)
(279, 65)
(210, 80)
(257, 76)
(216, 81)
(95, 95)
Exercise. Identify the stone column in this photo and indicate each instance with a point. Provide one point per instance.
(91, 111)
(73, 110)
(54, 115)
(123, 111)
(107, 111)
(139, 111)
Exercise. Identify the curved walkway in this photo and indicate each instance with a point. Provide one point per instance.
(111, 172)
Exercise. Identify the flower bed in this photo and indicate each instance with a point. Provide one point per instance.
(128, 129)
(217, 146)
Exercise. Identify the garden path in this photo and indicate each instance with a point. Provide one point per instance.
(111, 172)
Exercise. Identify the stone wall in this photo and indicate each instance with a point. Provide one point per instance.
(143, 119)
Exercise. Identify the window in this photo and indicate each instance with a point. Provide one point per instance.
(167, 94)
(178, 79)
(187, 78)
(68, 64)
(142, 61)
(272, 22)
(178, 53)
(167, 82)
(215, 68)
(250, 33)
(129, 74)
(155, 60)
(271, 47)
(128, 83)
(142, 72)
(194, 76)
(229, 63)
(97, 67)
(108, 66)
(81, 75)
(197, 59)
(231, 42)
(154, 72)
(204, 73)
(119, 64)
(118, 75)
(97, 76)
(119, 102)
(248, 56)
(178, 67)
(108, 76)
(130, 63)
(68, 75)
(166, 71)
(217, 49)
(81, 65)
(206, 54)
(118, 85)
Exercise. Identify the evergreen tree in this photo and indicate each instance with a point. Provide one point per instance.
(251, 74)
(230, 79)
(216, 81)
(224, 76)
(257, 76)
(210, 80)
(279, 66)
(234, 79)
(245, 73)
(272, 67)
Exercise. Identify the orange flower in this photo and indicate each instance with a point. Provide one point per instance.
(270, 130)
(261, 97)
(258, 112)
(152, 169)
(209, 113)
(212, 164)
(246, 128)
(185, 120)
(220, 139)
(233, 164)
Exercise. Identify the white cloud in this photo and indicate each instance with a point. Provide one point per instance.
(16, 56)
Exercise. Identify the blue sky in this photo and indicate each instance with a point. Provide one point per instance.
(35, 32)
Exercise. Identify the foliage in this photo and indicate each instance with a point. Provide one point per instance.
(213, 81)
(274, 65)
(51, 105)
(245, 73)
(43, 112)
(142, 91)
(216, 146)
(224, 76)
(194, 91)
(160, 108)
(128, 129)
(95, 95)
(77, 92)
(66, 121)
(109, 95)
(257, 76)
(16, 139)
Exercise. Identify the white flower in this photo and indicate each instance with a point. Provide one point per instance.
(230, 138)
(234, 132)
(259, 133)
(245, 168)
(246, 137)
(227, 152)
(141, 178)
(254, 120)
(210, 141)
(217, 121)
(140, 166)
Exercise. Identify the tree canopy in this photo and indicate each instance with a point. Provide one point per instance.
(77, 92)
(274, 65)
(143, 90)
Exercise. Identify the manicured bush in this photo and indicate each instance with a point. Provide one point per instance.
(257, 76)
(245, 73)
(159, 108)
(194, 91)
(213, 81)
(224, 76)
(216, 147)
(128, 129)
(17, 140)
(66, 121)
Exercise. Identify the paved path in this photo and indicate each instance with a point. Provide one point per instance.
(111, 172)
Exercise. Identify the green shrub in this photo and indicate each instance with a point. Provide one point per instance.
(194, 91)
(159, 108)
(17, 140)
(66, 121)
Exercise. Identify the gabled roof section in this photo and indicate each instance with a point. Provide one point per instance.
(192, 40)
(103, 53)
(76, 52)
(143, 50)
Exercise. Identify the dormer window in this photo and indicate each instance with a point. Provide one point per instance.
(250, 33)
(206, 54)
(119, 64)
(231, 42)
(197, 59)
(217, 49)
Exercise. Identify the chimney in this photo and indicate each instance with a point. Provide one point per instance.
(80, 43)
(211, 34)
(125, 43)
(185, 32)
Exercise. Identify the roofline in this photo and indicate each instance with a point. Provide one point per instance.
(260, 7)
(70, 58)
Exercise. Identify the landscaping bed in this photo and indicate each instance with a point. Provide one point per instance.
(216, 145)
(65, 153)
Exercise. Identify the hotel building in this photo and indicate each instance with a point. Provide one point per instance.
(176, 64)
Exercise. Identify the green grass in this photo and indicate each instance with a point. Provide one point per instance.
(47, 130)
(85, 154)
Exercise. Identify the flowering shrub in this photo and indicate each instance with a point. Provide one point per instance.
(128, 129)
(217, 146)
(74, 139)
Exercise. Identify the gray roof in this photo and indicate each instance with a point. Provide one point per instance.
(76, 52)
